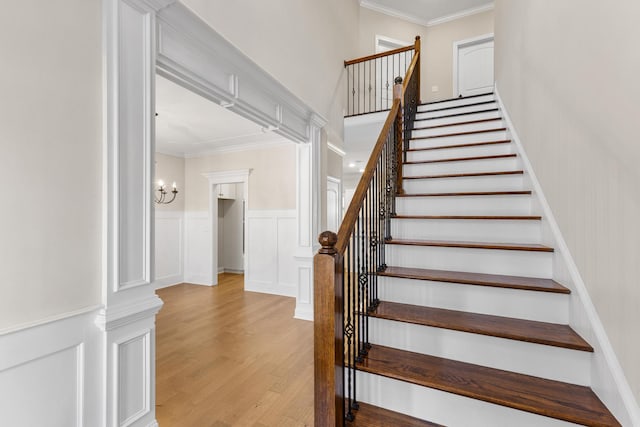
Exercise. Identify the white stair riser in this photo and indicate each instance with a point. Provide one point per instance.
(458, 102)
(489, 261)
(465, 205)
(543, 361)
(505, 231)
(517, 303)
(450, 153)
(461, 184)
(441, 407)
(494, 124)
(458, 110)
(458, 119)
(465, 166)
(458, 139)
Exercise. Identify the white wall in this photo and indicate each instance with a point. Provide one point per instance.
(50, 169)
(567, 73)
(302, 43)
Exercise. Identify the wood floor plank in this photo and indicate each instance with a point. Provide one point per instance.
(492, 280)
(226, 357)
(471, 217)
(496, 326)
(373, 416)
(568, 402)
(531, 247)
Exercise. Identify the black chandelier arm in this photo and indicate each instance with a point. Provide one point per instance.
(163, 194)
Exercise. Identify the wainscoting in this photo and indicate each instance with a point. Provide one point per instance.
(50, 372)
(197, 248)
(271, 266)
(169, 245)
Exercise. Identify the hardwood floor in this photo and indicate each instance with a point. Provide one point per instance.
(226, 357)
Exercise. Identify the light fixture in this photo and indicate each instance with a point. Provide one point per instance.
(361, 170)
(163, 193)
(352, 165)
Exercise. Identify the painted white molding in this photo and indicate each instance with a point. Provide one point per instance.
(397, 43)
(462, 14)
(340, 152)
(133, 311)
(395, 13)
(456, 47)
(608, 379)
(241, 146)
(197, 247)
(60, 377)
(192, 54)
(169, 248)
(269, 255)
(215, 179)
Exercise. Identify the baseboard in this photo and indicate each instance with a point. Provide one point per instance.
(198, 280)
(50, 371)
(285, 290)
(303, 313)
(607, 378)
(165, 282)
(231, 271)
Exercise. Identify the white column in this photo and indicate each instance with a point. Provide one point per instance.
(127, 319)
(308, 207)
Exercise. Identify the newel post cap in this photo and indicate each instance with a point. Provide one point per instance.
(328, 240)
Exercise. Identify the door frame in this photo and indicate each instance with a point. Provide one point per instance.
(215, 179)
(457, 45)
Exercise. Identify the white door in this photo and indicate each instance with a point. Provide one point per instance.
(474, 74)
(333, 204)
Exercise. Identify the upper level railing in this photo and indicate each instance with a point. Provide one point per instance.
(346, 267)
(370, 79)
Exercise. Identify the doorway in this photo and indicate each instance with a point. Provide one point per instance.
(334, 199)
(473, 66)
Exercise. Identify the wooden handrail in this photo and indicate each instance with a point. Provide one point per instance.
(415, 46)
(415, 63)
(379, 55)
(350, 217)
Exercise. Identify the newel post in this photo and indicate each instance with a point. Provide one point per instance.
(397, 94)
(328, 334)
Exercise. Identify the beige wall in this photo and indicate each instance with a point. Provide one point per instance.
(437, 44)
(568, 74)
(50, 169)
(272, 182)
(170, 169)
(302, 43)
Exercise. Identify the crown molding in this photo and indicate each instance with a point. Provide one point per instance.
(459, 15)
(395, 13)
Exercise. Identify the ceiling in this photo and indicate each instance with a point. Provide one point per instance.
(189, 125)
(427, 12)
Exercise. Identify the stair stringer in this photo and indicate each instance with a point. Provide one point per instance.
(607, 377)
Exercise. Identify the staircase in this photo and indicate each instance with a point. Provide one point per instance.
(470, 329)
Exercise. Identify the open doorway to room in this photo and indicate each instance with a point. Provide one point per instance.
(225, 270)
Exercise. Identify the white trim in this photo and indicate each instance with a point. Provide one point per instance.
(457, 45)
(239, 147)
(340, 152)
(115, 317)
(398, 43)
(117, 346)
(225, 177)
(395, 13)
(459, 15)
(622, 390)
(47, 320)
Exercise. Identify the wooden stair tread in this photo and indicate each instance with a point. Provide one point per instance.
(480, 279)
(472, 122)
(480, 217)
(463, 175)
(374, 416)
(568, 402)
(531, 247)
(490, 110)
(468, 193)
(484, 324)
(463, 159)
(456, 99)
(472, 144)
(457, 106)
(472, 132)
